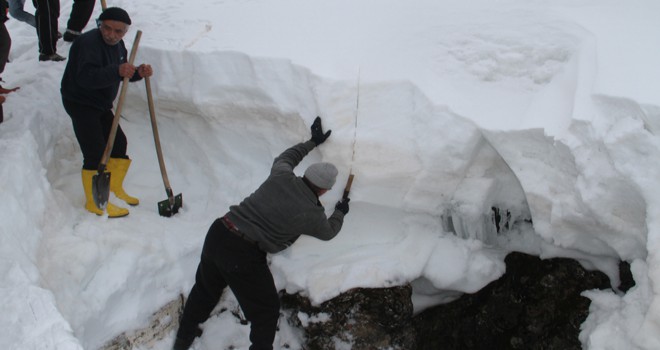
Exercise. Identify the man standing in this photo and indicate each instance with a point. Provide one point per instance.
(47, 15)
(97, 65)
(284, 207)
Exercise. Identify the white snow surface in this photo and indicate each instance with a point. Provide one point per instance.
(441, 109)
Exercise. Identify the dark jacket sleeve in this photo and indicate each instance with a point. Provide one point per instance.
(4, 6)
(94, 74)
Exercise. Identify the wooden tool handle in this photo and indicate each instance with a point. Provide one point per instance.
(349, 183)
(154, 127)
(120, 103)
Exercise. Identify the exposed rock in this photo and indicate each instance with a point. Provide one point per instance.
(535, 305)
(364, 319)
(626, 277)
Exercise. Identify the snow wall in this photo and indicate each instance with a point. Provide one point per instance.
(423, 173)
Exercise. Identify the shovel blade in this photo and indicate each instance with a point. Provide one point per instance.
(101, 189)
(170, 206)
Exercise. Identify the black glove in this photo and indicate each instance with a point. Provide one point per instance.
(342, 205)
(317, 132)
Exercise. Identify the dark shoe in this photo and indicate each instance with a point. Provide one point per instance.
(52, 57)
(59, 35)
(70, 35)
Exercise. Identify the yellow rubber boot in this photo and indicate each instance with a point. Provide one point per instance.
(118, 167)
(113, 210)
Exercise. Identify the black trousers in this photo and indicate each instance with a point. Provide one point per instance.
(92, 128)
(228, 260)
(81, 12)
(5, 45)
(47, 14)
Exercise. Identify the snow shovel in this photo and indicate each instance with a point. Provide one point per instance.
(101, 181)
(172, 204)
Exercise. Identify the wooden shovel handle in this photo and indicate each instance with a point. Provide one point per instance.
(103, 5)
(349, 183)
(120, 104)
(154, 127)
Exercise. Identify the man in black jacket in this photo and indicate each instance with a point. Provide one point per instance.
(96, 67)
(284, 207)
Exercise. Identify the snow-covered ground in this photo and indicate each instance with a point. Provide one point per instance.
(441, 109)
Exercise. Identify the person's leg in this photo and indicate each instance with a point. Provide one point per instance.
(261, 305)
(252, 282)
(121, 142)
(89, 130)
(205, 294)
(54, 14)
(47, 15)
(5, 46)
(2, 112)
(16, 10)
(42, 17)
(92, 128)
(81, 12)
(118, 163)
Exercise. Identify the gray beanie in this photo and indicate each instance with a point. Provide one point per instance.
(322, 175)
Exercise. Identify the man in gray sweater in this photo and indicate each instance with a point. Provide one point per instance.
(284, 207)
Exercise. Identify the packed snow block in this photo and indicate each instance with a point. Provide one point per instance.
(470, 214)
(488, 200)
(239, 82)
(415, 160)
(444, 160)
(578, 196)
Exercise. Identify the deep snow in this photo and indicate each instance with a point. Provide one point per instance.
(441, 109)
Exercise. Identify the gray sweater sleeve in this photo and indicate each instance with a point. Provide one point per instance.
(327, 228)
(283, 207)
(289, 159)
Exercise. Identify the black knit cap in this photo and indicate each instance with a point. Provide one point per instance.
(115, 14)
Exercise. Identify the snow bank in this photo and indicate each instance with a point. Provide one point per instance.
(506, 107)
